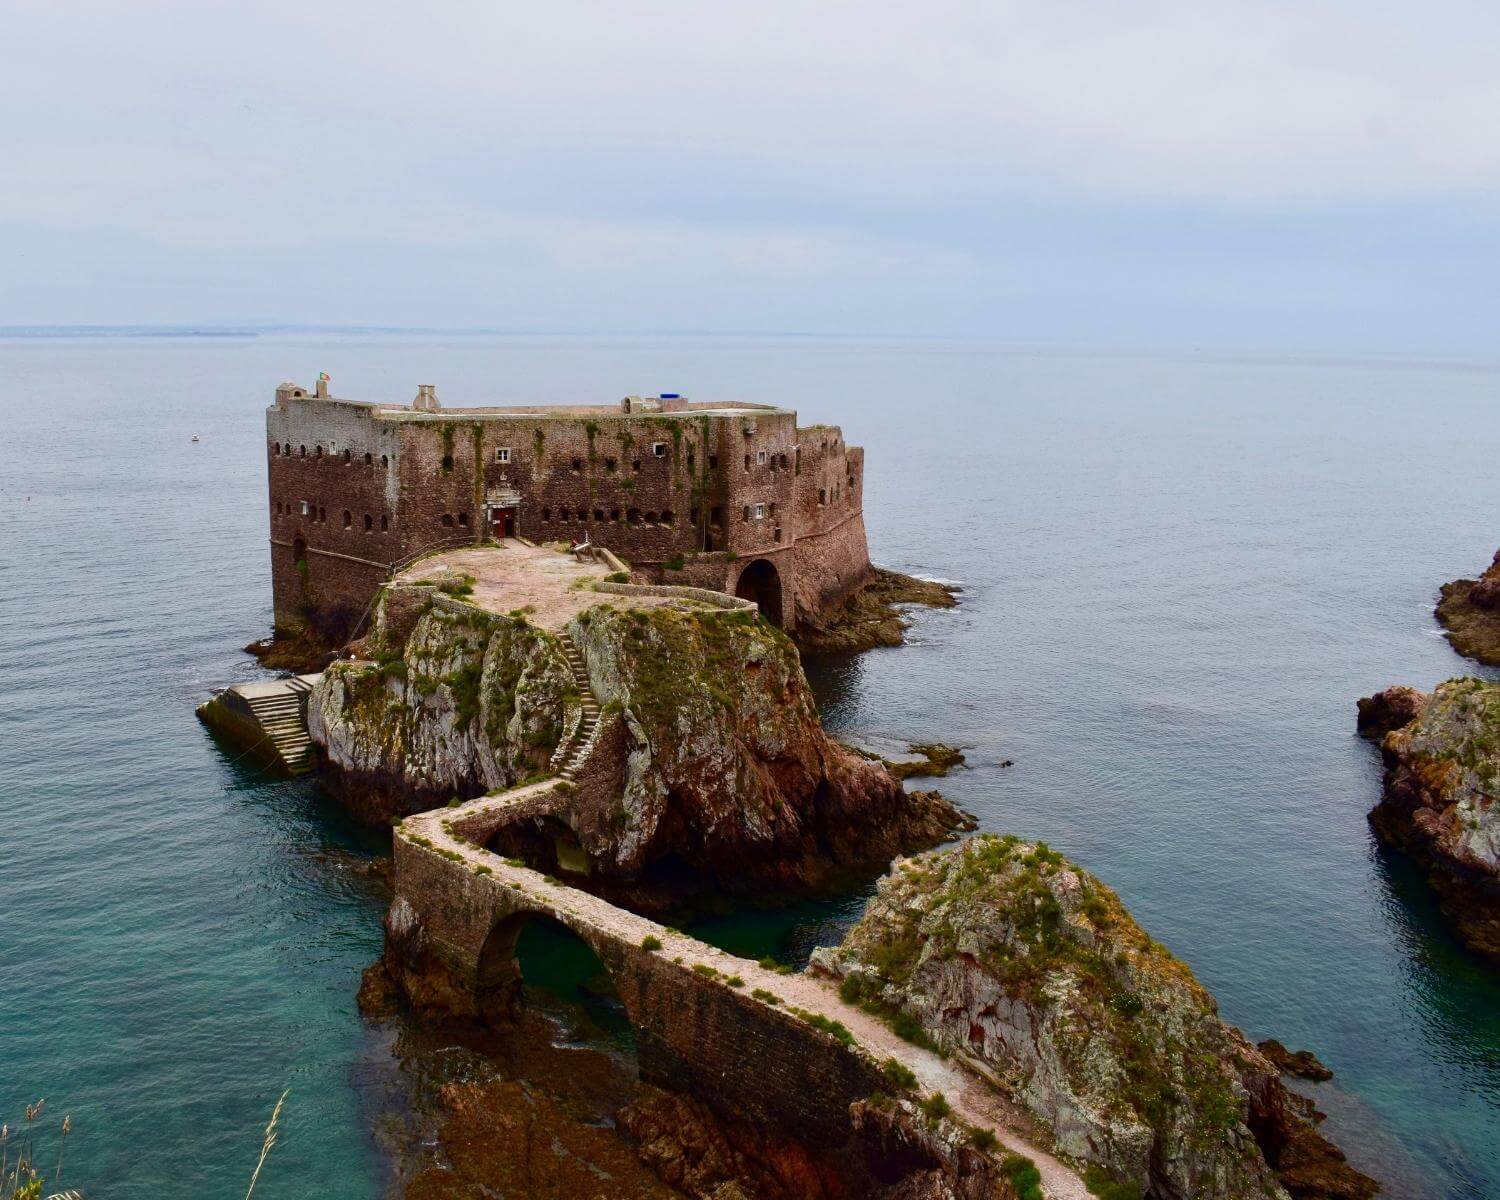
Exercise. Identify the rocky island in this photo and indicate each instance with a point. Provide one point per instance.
(1469, 610)
(1438, 804)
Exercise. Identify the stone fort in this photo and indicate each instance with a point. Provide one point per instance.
(734, 497)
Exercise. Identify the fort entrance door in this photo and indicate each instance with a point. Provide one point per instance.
(502, 522)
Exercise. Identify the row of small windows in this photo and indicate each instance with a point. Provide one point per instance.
(825, 497)
(764, 458)
(285, 450)
(658, 450)
(318, 515)
(632, 516)
(448, 520)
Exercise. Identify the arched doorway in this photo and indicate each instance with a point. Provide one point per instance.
(533, 960)
(761, 582)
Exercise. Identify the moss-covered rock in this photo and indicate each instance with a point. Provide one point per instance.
(1005, 951)
(468, 702)
(727, 768)
(1439, 802)
(871, 615)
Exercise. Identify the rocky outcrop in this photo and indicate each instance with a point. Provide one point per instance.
(1442, 781)
(460, 702)
(1004, 951)
(720, 774)
(871, 615)
(727, 769)
(1469, 609)
(1388, 710)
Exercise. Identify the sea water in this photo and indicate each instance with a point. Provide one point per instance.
(1179, 572)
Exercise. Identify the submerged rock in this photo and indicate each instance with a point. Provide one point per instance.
(1469, 609)
(1006, 952)
(871, 616)
(1442, 781)
(1302, 1063)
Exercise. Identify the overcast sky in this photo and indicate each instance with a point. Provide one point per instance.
(1320, 176)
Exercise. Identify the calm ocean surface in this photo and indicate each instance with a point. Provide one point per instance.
(1180, 572)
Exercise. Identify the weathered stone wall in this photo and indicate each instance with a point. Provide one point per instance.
(693, 1033)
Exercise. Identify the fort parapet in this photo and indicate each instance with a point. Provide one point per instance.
(732, 497)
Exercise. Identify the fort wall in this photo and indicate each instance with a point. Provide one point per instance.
(689, 494)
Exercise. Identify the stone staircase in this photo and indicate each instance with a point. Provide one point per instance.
(282, 713)
(575, 749)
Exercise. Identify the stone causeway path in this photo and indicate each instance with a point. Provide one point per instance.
(973, 1099)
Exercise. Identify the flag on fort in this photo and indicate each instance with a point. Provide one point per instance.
(323, 375)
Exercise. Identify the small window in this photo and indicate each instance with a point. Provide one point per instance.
(745, 514)
(278, 508)
(578, 464)
(783, 462)
(318, 452)
(667, 517)
(693, 514)
(776, 533)
(348, 519)
(822, 496)
(348, 457)
(463, 519)
(614, 514)
(369, 523)
(690, 460)
(447, 462)
(760, 458)
(369, 458)
(747, 462)
(598, 514)
(385, 523)
(658, 449)
(713, 462)
(633, 516)
(610, 464)
(760, 512)
(635, 464)
(772, 508)
(322, 515)
(306, 508)
(301, 451)
(502, 454)
(546, 514)
(447, 521)
(385, 460)
(564, 514)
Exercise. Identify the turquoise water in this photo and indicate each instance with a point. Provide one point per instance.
(1180, 571)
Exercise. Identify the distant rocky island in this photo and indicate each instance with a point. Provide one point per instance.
(585, 707)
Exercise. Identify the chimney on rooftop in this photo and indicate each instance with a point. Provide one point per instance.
(426, 400)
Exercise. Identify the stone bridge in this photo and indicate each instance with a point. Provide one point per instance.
(759, 1044)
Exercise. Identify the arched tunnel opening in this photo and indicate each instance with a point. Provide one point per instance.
(761, 582)
(533, 961)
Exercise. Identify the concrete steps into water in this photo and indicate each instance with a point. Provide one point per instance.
(267, 718)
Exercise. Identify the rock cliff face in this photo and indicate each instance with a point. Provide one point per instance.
(1006, 952)
(727, 768)
(465, 702)
(721, 777)
(1470, 611)
(1442, 781)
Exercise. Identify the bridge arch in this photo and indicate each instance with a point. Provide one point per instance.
(760, 581)
(559, 959)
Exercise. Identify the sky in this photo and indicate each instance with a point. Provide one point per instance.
(1314, 176)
